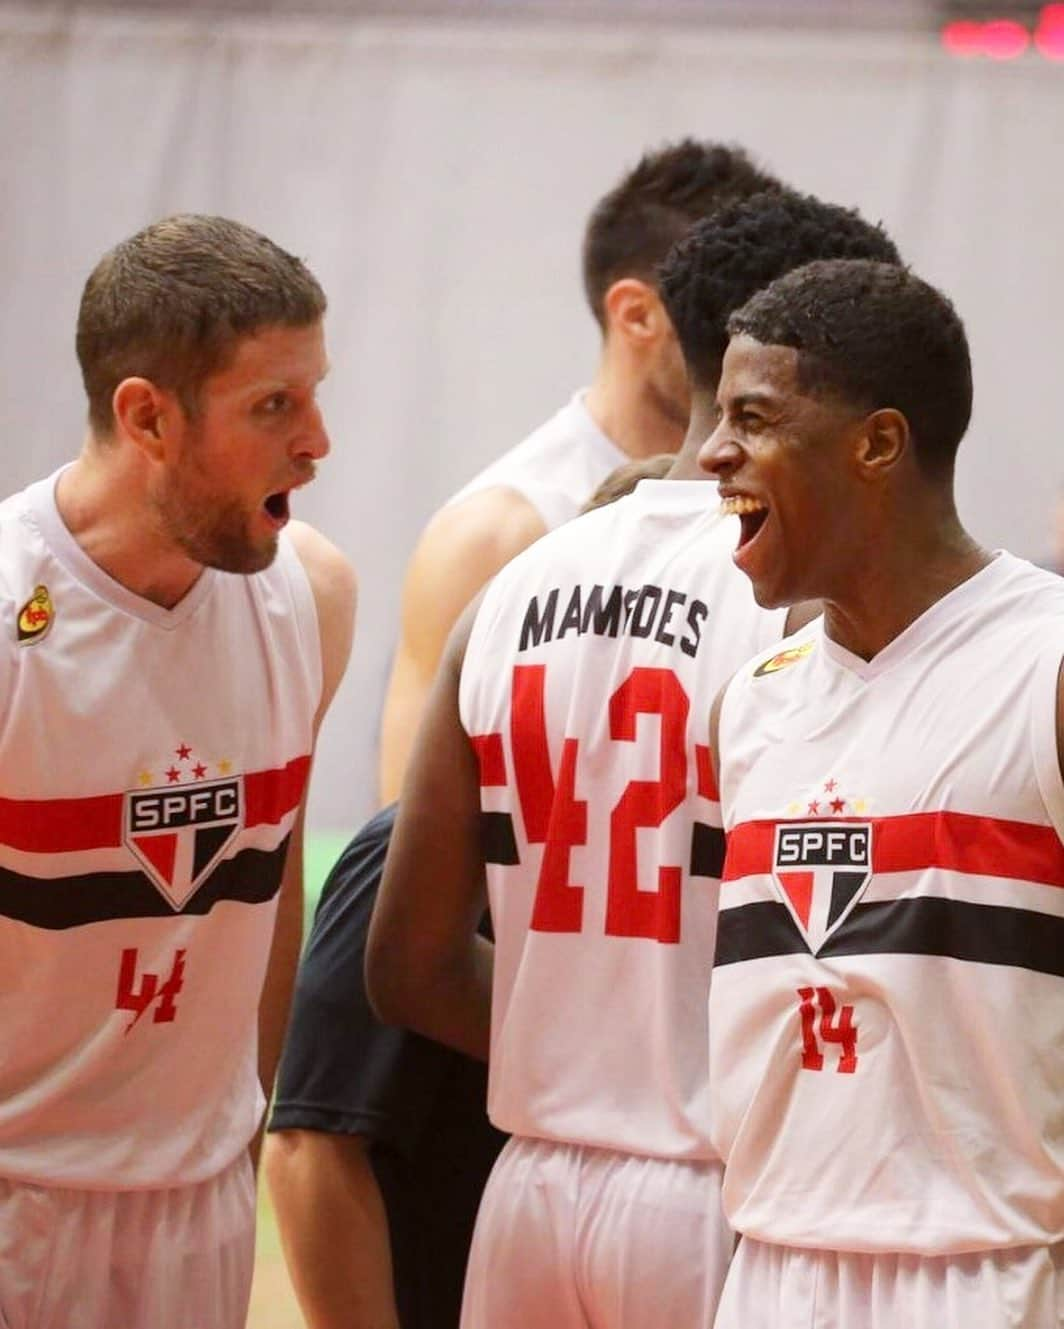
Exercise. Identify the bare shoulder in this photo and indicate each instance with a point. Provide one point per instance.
(331, 576)
(335, 588)
(489, 528)
(464, 545)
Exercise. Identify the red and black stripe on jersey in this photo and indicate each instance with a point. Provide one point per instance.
(499, 843)
(83, 825)
(927, 924)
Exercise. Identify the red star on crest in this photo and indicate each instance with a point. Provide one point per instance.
(814, 808)
(173, 775)
(831, 785)
(199, 770)
(183, 752)
(837, 804)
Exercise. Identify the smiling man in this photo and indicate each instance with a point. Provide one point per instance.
(169, 647)
(564, 767)
(886, 1014)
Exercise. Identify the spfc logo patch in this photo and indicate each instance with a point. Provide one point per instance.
(821, 868)
(178, 834)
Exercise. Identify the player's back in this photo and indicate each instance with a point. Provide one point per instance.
(586, 689)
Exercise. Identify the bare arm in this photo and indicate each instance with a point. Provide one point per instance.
(463, 546)
(333, 582)
(334, 1229)
(1060, 717)
(280, 977)
(425, 965)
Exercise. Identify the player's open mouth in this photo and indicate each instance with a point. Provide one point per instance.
(276, 506)
(751, 512)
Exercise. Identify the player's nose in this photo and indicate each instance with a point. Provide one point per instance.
(719, 454)
(313, 441)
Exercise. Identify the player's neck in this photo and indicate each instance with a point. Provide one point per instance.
(890, 595)
(628, 413)
(102, 502)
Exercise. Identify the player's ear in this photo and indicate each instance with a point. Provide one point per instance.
(634, 312)
(882, 443)
(144, 414)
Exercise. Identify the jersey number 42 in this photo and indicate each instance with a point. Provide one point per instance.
(556, 818)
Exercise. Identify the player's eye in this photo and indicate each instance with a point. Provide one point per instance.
(275, 403)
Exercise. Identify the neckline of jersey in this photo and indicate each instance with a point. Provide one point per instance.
(44, 511)
(585, 422)
(683, 495)
(953, 604)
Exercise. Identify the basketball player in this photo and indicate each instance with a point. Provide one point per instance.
(169, 646)
(568, 758)
(379, 1143)
(886, 1015)
(637, 405)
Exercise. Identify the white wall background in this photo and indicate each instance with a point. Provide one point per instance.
(437, 177)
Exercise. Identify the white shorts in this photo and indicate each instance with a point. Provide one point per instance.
(569, 1237)
(179, 1258)
(780, 1287)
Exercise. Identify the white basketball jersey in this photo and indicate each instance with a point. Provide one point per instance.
(557, 468)
(151, 765)
(887, 1012)
(586, 690)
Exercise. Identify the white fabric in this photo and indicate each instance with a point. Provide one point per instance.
(571, 1238)
(556, 468)
(153, 762)
(631, 617)
(778, 1287)
(437, 175)
(179, 1258)
(887, 1008)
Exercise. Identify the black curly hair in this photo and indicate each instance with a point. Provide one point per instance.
(632, 228)
(876, 336)
(729, 256)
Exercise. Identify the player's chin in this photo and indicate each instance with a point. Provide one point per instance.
(262, 554)
(770, 595)
(248, 556)
(758, 557)
(770, 583)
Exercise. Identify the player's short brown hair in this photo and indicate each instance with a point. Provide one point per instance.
(634, 226)
(171, 303)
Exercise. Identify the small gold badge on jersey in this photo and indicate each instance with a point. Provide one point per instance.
(35, 617)
(788, 657)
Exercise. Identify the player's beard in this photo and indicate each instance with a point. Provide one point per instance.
(211, 530)
(668, 389)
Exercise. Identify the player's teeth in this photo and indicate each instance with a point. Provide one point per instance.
(740, 504)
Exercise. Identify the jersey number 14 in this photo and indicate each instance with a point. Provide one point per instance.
(841, 1031)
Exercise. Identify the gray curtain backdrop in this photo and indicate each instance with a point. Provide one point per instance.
(436, 176)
